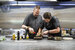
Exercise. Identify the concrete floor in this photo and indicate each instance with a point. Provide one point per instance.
(37, 45)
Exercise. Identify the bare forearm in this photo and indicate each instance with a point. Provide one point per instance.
(40, 30)
(25, 27)
(54, 30)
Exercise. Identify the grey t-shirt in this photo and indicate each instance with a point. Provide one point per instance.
(33, 21)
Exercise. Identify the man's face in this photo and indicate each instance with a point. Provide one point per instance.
(36, 12)
(47, 20)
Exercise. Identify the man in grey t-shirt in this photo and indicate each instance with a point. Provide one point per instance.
(32, 22)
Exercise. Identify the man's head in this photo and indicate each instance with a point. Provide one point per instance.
(47, 17)
(36, 10)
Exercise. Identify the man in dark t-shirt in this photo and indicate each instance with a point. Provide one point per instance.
(51, 24)
(32, 22)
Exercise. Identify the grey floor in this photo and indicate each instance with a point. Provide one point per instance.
(37, 45)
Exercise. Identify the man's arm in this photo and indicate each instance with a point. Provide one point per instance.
(25, 27)
(57, 26)
(39, 32)
(26, 22)
(57, 30)
(28, 28)
(41, 26)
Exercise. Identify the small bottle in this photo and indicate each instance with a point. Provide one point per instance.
(13, 37)
(27, 37)
(18, 35)
(27, 31)
(24, 36)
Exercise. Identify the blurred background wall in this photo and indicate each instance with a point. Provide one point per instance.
(12, 16)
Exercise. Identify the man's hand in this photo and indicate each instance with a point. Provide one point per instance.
(25, 27)
(31, 30)
(45, 32)
(38, 34)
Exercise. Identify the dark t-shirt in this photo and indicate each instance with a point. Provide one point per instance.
(53, 24)
(33, 22)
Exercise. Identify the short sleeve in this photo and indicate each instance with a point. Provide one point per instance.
(56, 23)
(26, 21)
(41, 24)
